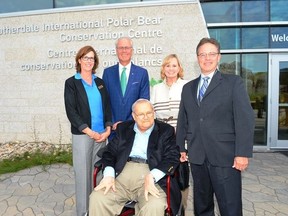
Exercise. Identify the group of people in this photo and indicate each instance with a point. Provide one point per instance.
(207, 121)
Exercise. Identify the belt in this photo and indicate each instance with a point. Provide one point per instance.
(137, 160)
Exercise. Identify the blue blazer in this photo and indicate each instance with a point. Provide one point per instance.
(137, 87)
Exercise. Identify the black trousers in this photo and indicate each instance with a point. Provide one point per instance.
(224, 182)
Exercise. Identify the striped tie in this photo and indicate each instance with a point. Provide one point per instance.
(203, 87)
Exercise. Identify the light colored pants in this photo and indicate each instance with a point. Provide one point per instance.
(84, 156)
(185, 194)
(129, 186)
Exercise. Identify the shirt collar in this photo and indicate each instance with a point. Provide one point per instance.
(148, 131)
(78, 76)
(128, 66)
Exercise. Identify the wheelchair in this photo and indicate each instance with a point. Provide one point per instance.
(128, 209)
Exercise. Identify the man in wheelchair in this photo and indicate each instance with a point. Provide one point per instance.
(136, 164)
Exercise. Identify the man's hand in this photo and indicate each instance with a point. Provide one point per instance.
(107, 183)
(183, 157)
(150, 187)
(115, 125)
(240, 163)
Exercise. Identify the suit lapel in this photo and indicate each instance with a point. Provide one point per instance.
(131, 79)
(129, 136)
(81, 90)
(152, 143)
(216, 80)
(116, 80)
(194, 89)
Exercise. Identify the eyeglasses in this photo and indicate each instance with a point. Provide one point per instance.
(210, 55)
(142, 115)
(124, 48)
(86, 59)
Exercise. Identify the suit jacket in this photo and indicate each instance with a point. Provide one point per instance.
(162, 153)
(137, 87)
(221, 126)
(77, 106)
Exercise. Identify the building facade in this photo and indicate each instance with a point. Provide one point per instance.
(253, 37)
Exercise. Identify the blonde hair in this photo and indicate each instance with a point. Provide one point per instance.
(166, 61)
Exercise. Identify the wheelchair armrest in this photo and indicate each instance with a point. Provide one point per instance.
(168, 185)
(173, 174)
(98, 166)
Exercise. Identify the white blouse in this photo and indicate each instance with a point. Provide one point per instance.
(166, 100)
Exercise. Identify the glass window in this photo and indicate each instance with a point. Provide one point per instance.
(229, 38)
(255, 11)
(221, 12)
(20, 5)
(72, 3)
(230, 64)
(283, 101)
(279, 37)
(255, 38)
(278, 10)
(253, 68)
(255, 74)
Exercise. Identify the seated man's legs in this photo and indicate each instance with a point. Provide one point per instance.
(108, 204)
(154, 206)
(129, 186)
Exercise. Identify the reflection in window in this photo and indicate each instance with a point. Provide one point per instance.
(230, 64)
(278, 10)
(20, 5)
(255, 38)
(255, 11)
(229, 38)
(283, 101)
(254, 70)
(221, 12)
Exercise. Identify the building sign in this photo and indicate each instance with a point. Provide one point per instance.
(38, 53)
(279, 37)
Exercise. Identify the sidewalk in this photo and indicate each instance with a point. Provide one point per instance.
(49, 191)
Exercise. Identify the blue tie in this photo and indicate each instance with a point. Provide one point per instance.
(203, 87)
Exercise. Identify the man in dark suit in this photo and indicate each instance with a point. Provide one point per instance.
(141, 155)
(125, 82)
(217, 121)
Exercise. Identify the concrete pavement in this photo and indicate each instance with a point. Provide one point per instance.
(49, 191)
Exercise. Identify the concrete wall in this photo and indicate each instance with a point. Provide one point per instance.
(38, 50)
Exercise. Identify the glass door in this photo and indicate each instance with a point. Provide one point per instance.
(279, 101)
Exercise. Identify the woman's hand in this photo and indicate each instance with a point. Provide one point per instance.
(103, 136)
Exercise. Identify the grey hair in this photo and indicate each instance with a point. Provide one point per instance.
(141, 100)
(124, 38)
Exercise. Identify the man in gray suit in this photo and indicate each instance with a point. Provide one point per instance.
(217, 121)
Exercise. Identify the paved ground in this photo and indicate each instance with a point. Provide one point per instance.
(49, 191)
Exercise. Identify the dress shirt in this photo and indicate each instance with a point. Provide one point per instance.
(95, 104)
(128, 68)
(201, 81)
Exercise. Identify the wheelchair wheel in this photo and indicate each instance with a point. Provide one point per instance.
(182, 213)
(127, 211)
